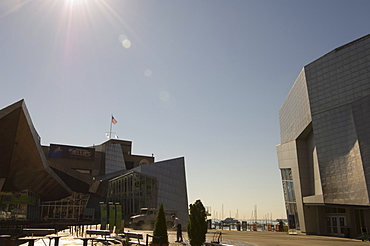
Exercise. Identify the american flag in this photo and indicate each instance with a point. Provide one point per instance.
(114, 121)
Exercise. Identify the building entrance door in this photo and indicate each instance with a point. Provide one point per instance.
(335, 225)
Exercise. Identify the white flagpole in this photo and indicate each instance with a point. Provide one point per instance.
(111, 123)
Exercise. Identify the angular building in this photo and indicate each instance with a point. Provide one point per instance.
(63, 182)
(149, 186)
(324, 155)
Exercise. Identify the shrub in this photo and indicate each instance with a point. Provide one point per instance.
(197, 224)
(160, 227)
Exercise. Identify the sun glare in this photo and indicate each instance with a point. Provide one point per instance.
(75, 1)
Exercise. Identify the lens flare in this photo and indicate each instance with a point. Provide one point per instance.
(148, 72)
(164, 95)
(75, 1)
(126, 43)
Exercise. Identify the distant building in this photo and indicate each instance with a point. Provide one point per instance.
(324, 155)
(64, 182)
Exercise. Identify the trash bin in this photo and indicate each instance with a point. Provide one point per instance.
(238, 226)
(285, 228)
(244, 225)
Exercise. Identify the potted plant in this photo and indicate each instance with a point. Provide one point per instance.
(197, 224)
(160, 236)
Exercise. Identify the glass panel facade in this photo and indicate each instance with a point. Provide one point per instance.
(326, 115)
(328, 225)
(133, 191)
(342, 224)
(114, 160)
(335, 226)
(286, 174)
(69, 208)
(22, 205)
(289, 195)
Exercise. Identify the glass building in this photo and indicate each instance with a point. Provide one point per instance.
(133, 191)
(64, 182)
(324, 155)
(172, 192)
(149, 186)
(69, 208)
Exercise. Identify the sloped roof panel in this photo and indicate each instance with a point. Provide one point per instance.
(23, 164)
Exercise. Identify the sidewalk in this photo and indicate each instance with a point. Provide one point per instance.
(238, 238)
(269, 238)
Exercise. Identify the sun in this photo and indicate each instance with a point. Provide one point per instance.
(76, 2)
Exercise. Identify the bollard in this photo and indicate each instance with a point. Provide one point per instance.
(254, 227)
(269, 227)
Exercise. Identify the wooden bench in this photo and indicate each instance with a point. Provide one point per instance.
(138, 238)
(85, 240)
(217, 237)
(147, 239)
(134, 235)
(38, 231)
(101, 240)
(216, 240)
(34, 234)
(104, 233)
(55, 238)
(104, 239)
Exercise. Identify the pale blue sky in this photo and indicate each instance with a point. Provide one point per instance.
(200, 79)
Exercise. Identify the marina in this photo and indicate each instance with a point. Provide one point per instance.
(248, 225)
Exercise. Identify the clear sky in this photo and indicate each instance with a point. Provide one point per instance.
(199, 79)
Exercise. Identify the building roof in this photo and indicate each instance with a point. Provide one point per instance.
(341, 48)
(23, 164)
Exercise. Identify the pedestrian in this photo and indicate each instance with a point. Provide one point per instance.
(177, 225)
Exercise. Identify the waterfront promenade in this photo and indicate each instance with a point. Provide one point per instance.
(241, 238)
(269, 238)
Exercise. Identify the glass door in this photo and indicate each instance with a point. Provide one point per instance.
(335, 225)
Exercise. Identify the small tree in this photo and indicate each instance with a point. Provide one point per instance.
(197, 224)
(160, 227)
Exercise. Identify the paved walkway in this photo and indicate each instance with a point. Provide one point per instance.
(239, 238)
(268, 238)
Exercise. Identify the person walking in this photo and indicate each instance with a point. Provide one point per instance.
(177, 225)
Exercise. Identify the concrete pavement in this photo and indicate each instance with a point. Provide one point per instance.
(240, 238)
(269, 238)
